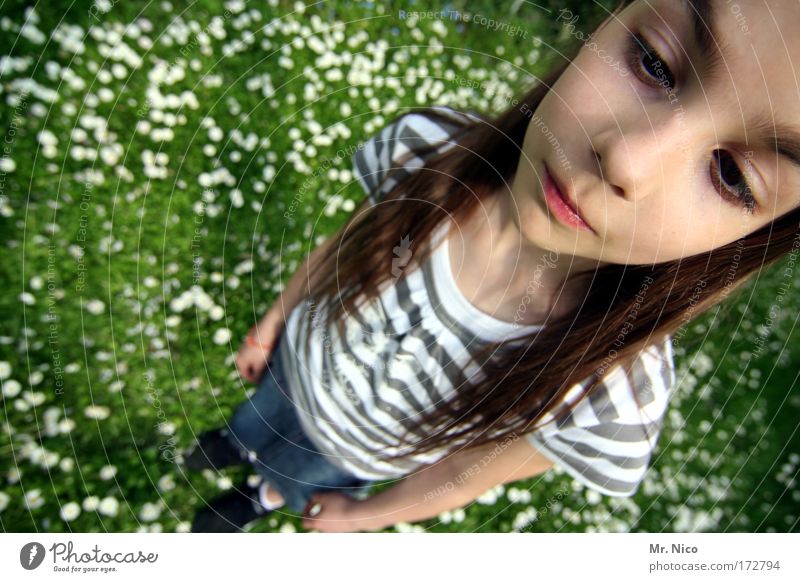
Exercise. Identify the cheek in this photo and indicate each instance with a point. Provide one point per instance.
(582, 102)
(592, 83)
(683, 232)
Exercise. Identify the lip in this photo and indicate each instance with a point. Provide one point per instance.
(559, 203)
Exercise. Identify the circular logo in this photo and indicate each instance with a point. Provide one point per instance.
(31, 555)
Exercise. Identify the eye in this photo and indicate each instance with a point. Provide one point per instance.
(647, 64)
(729, 180)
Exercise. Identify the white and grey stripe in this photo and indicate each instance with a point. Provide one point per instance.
(402, 350)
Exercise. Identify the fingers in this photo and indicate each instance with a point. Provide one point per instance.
(313, 507)
(250, 365)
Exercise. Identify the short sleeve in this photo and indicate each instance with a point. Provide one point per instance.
(409, 132)
(607, 441)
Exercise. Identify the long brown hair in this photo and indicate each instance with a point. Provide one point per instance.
(527, 380)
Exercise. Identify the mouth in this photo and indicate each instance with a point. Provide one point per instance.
(560, 204)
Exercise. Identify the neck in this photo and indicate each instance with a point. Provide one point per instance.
(533, 271)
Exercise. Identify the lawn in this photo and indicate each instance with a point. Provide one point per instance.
(150, 151)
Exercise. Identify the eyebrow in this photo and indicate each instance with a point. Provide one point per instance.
(781, 139)
(703, 16)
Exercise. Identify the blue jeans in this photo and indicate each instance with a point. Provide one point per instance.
(267, 429)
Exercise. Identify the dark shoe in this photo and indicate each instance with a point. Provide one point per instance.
(231, 512)
(213, 450)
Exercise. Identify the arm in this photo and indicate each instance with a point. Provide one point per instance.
(271, 324)
(451, 483)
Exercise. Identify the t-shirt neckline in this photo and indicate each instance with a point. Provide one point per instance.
(480, 323)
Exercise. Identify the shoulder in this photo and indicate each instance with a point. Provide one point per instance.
(430, 124)
(642, 395)
(409, 138)
(607, 440)
(638, 398)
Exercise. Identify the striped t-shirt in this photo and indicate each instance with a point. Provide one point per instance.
(401, 350)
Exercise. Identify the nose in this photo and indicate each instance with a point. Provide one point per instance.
(635, 160)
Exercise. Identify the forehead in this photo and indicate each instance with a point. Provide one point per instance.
(758, 69)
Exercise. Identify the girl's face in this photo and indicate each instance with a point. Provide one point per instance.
(666, 149)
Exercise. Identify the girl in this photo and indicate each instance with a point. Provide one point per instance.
(522, 276)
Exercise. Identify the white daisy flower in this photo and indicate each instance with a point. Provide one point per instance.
(236, 198)
(167, 428)
(215, 133)
(216, 313)
(27, 298)
(11, 388)
(4, 499)
(222, 336)
(166, 483)
(91, 503)
(36, 378)
(34, 499)
(70, 511)
(50, 459)
(96, 411)
(13, 475)
(205, 180)
(204, 302)
(489, 497)
(5, 370)
(110, 156)
(179, 303)
(143, 127)
(593, 497)
(7, 165)
(47, 138)
(245, 266)
(149, 512)
(33, 398)
(66, 425)
(108, 506)
(95, 306)
(107, 472)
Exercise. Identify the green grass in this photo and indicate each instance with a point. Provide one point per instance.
(734, 476)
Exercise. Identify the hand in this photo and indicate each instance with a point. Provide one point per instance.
(254, 354)
(336, 513)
